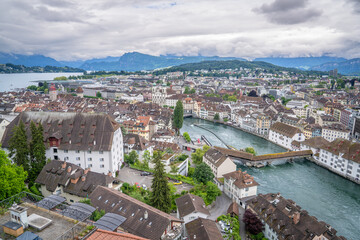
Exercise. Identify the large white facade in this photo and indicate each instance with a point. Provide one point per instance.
(97, 161)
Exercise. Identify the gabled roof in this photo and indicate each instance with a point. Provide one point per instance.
(294, 223)
(345, 148)
(316, 142)
(141, 219)
(241, 179)
(285, 129)
(100, 234)
(203, 229)
(57, 173)
(190, 203)
(76, 131)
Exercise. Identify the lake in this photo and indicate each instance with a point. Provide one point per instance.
(11, 82)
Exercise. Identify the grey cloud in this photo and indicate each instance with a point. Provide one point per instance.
(292, 17)
(288, 11)
(282, 5)
(356, 5)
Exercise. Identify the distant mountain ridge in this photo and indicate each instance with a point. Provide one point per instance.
(136, 61)
(303, 63)
(28, 60)
(349, 67)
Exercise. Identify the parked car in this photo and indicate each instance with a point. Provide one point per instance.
(145, 174)
(144, 187)
(177, 182)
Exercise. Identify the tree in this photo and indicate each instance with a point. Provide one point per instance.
(174, 169)
(250, 150)
(123, 130)
(132, 157)
(212, 192)
(187, 136)
(98, 94)
(146, 159)
(203, 173)
(192, 91)
(187, 90)
(160, 196)
(178, 116)
(12, 177)
(37, 151)
(252, 222)
(197, 156)
(18, 147)
(216, 117)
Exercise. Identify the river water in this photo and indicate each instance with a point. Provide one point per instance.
(10, 82)
(325, 195)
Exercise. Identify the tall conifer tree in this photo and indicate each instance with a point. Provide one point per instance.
(18, 146)
(37, 151)
(160, 197)
(178, 116)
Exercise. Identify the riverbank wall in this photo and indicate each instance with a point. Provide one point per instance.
(311, 159)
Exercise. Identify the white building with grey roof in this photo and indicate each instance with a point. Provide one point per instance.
(88, 140)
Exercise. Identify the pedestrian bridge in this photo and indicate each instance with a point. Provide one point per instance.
(266, 159)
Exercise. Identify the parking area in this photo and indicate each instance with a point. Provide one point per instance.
(133, 176)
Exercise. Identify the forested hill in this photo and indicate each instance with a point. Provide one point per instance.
(11, 68)
(233, 64)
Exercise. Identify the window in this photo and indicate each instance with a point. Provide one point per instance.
(66, 158)
(102, 166)
(56, 157)
(246, 189)
(101, 159)
(89, 159)
(89, 151)
(55, 150)
(89, 165)
(66, 151)
(77, 151)
(77, 158)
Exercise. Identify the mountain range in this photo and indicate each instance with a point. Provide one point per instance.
(135, 61)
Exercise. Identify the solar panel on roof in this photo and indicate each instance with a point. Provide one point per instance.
(78, 211)
(51, 201)
(110, 221)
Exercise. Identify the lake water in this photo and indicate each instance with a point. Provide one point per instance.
(10, 82)
(325, 195)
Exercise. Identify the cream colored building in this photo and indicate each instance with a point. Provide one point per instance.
(240, 186)
(219, 163)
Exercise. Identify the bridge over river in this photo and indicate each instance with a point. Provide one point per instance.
(258, 161)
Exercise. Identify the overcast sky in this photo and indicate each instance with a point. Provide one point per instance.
(83, 29)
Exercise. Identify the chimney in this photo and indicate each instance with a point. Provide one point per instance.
(69, 169)
(83, 178)
(146, 215)
(296, 217)
(109, 174)
(63, 165)
(74, 181)
(86, 170)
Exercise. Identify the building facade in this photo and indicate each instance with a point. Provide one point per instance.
(88, 140)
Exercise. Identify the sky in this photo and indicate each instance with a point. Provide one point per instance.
(84, 29)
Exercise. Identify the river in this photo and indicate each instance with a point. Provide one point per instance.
(10, 82)
(322, 193)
